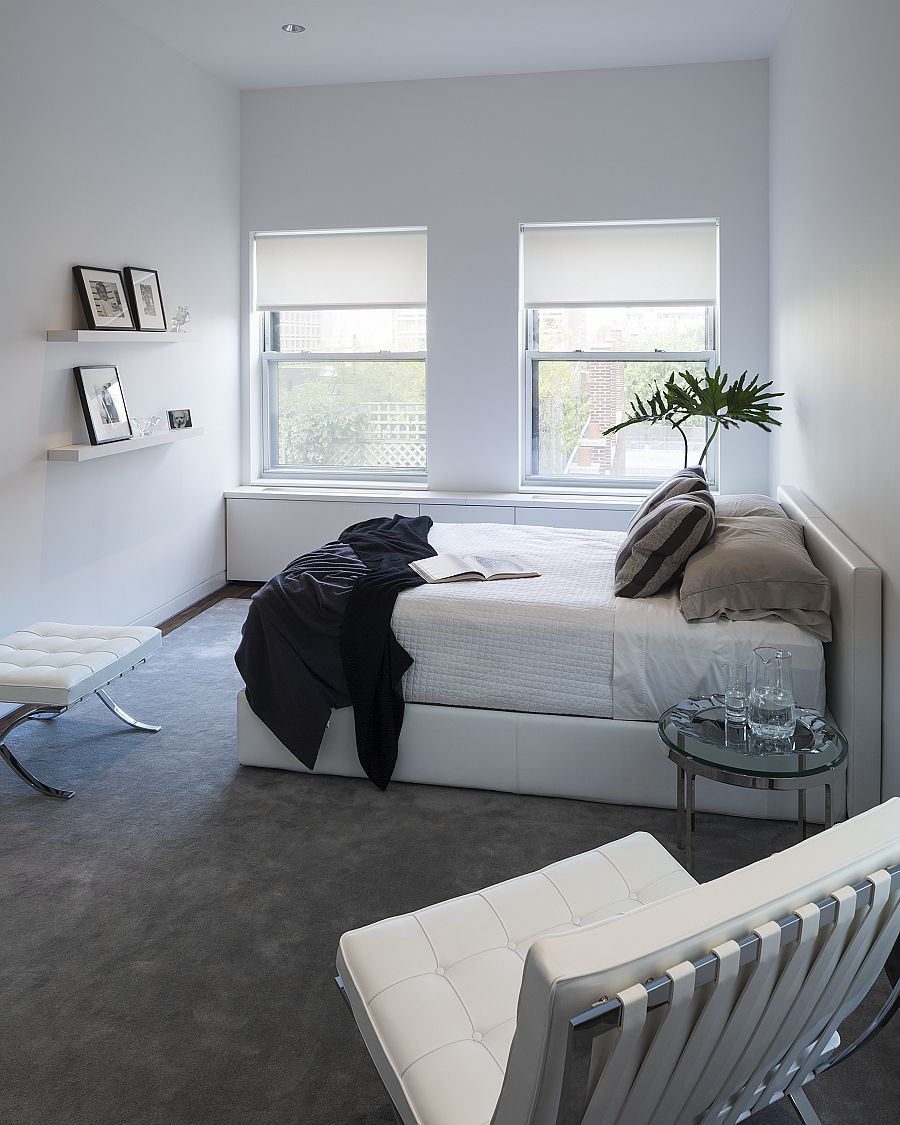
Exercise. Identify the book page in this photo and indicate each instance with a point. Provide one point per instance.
(495, 568)
(441, 567)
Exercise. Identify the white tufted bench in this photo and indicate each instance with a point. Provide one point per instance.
(48, 667)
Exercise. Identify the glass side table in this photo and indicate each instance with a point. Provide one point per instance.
(701, 743)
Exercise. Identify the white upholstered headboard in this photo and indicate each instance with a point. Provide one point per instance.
(853, 658)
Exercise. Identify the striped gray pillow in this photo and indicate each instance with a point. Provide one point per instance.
(685, 481)
(659, 545)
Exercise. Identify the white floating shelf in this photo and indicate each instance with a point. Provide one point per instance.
(92, 336)
(89, 452)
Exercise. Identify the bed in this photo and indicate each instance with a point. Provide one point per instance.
(553, 686)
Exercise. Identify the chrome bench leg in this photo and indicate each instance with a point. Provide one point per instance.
(123, 715)
(10, 722)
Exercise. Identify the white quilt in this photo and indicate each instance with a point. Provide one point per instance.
(525, 644)
(563, 643)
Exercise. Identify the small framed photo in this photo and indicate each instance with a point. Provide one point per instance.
(103, 404)
(179, 419)
(103, 298)
(146, 298)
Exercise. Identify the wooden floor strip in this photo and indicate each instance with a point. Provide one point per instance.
(229, 590)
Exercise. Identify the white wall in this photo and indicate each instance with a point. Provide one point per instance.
(472, 158)
(115, 150)
(835, 231)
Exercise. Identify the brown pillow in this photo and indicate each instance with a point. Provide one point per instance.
(685, 481)
(749, 504)
(754, 567)
(658, 545)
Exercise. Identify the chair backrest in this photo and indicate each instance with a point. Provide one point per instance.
(759, 968)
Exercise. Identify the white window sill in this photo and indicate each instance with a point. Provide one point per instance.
(612, 500)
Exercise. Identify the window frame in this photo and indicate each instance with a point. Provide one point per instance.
(531, 356)
(269, 360)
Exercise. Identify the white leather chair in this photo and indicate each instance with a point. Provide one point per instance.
(612, 988)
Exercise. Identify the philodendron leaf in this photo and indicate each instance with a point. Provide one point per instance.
(725, 401)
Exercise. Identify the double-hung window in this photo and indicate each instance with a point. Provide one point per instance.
(610, 311)
(343, 354)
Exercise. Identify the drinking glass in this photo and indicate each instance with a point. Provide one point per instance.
(772, 698)
(735, 692)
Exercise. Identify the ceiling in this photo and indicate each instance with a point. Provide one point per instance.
(241, 41)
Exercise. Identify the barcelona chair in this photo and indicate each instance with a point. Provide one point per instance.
(612, 989)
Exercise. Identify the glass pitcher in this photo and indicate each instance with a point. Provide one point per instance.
(771, 711)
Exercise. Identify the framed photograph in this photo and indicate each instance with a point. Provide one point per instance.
(103, 298)
(146, 299)
(180, 419)
(103, 404)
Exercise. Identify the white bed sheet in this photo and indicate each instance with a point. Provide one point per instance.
(661, 658)
(563, 643)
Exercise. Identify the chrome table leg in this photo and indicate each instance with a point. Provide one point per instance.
(829, 810)
(679, 802)
(801, 812)
(690, 822)
(123, 715)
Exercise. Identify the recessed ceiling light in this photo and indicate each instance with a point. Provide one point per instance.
(296, 28)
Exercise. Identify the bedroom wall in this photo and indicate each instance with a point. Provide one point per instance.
(115, 150)
(471, 159)
(835, 233)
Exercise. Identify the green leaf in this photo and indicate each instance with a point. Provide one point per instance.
(725, 401)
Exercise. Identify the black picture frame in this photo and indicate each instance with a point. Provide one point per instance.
(180, 419)
(145, 295)
(103, 403)
(104, 299)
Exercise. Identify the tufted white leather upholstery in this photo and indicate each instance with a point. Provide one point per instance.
(59, 664)
(463, 1035)
(435, 992)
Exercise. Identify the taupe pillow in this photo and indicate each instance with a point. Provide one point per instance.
(660, 543)
(754, 567)
(749, 504)
(685, 481)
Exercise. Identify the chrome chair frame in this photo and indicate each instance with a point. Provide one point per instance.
(606, 1014)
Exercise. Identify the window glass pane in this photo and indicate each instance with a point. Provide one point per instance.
(635, 328)
(347, 330)
(349, 414)
(575, 401)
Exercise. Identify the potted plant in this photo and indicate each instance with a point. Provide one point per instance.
(727, 402)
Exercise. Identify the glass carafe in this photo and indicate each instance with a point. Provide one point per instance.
(771, 711)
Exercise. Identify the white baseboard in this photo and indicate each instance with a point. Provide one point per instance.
(168, 609)
(162, 613)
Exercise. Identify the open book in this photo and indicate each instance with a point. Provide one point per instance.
(469, 568)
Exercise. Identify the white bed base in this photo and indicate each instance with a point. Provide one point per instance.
(622, 761)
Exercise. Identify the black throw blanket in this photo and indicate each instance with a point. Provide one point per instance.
(319, 636)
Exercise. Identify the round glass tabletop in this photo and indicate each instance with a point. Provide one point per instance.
(696, 729)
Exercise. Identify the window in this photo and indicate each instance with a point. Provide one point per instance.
(344, 353)
(610, 311)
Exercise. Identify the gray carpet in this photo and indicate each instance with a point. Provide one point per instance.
(168, 936)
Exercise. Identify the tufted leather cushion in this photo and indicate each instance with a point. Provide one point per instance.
(59, 664)
(435, 992)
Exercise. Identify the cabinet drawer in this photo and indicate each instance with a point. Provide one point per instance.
(263, 535)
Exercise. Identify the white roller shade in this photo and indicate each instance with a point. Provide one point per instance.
(340, 270)
(647, 263)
